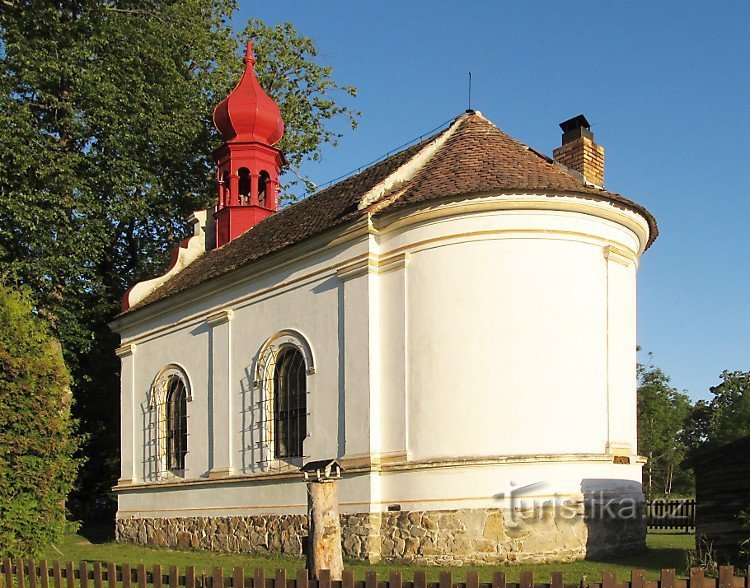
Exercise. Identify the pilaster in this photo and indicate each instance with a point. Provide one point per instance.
(128, 473)
(621, 351)
(220, 396)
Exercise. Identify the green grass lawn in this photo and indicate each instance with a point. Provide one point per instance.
(666, 550)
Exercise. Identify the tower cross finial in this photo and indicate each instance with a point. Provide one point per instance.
(249, 57)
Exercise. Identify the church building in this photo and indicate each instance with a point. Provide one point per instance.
(455, 325)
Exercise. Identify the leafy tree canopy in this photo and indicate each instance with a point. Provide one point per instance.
(37, 442)
(662, 411)
(105, 107)
(725, 417)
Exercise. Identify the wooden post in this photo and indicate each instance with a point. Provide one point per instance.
(324, 530)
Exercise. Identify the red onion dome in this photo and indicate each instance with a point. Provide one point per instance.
(248, 113)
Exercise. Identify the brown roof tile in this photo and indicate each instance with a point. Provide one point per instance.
(477, 157)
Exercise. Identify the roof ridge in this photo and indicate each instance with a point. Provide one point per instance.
(409, 169)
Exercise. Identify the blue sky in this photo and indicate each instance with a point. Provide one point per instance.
(666, 86)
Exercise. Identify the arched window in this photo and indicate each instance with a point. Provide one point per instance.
(175, 408)
(225, 184)
(167, 423)
(289, 403)
(263, 187)
(244, 184)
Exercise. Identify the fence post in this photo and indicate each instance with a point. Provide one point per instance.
(347, 579)
(44, 573)
(696, 578)
(70, 575)
(726, 575)
(301, 579)
(637, 579)
(83, 572)
(56, 574)
(667, 579)
(325, 579)
(126, 576)
(394, 580)
(97, 575)
(217, 577)
(32, 572)
(420, 579)
(141, 575)
(20, 576)
(526, 579)
(112, 575)
(371, 580)
(238, 578)
(259, 579)
(280, 580)
(498, 580)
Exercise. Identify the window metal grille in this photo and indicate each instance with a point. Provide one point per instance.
(167, 425)
(283, 407)
(289, 403)
(176, 429)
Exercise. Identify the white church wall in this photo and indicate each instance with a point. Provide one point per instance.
(459, 353)
(507, 320)
(219, 345)
(514, 484)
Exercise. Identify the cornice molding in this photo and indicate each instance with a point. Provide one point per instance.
(125, 350)
(358, 268)
(612, 253)
(220, 317)
(386, 462)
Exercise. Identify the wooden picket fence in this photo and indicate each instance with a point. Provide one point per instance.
(31, 574)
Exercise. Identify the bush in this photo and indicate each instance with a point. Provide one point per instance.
(37, 438)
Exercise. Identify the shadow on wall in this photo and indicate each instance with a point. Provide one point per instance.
(615, 516)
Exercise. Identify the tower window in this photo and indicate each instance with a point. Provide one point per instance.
(244, 184)
(289, 403)
(225, 182)
(263, 179)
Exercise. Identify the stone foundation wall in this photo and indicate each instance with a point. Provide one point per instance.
(269, 534)
(455, 537)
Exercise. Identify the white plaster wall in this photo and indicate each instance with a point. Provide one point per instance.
(507, 349)
(500, 485)
(309, 302)
(508, 314)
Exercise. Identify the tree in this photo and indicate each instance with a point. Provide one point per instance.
(105, 107)
(725, 417)
(37, 440)
(662, 411)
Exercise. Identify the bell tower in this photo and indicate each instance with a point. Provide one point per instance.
(250, 123)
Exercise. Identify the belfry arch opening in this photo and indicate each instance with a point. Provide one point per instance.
(243, 185)
(264, 179)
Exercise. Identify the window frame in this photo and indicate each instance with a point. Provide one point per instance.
(288, 443)
(160, 408)
(266, 366)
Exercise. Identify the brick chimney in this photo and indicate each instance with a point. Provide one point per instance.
(579, 152)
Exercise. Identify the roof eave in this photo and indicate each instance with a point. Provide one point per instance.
(292, 253)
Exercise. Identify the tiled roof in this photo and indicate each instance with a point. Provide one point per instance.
(476, 157)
